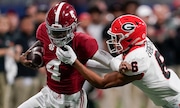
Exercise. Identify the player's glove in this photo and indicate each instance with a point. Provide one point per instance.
(67, 56)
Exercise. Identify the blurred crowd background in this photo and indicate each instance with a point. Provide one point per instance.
(19, 20)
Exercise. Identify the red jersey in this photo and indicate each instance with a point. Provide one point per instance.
(63, 78)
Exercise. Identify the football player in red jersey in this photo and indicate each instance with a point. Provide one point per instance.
(64, 82)
(141, 63)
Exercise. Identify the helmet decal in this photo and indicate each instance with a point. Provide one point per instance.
(128, 26)
(58, 12)
(72, 14)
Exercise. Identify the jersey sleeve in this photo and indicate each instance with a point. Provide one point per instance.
(139, 61)
(87, 46)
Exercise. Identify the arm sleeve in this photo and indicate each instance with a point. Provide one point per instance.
(102, 57)
(97, 67)
(115, 63)
(106, 59)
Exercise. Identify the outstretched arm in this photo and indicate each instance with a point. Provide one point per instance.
(112, 79)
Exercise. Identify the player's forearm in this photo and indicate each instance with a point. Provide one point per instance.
(97, 67)
(89, 75)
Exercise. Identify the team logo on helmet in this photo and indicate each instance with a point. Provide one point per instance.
(128, 26)
(51, 47)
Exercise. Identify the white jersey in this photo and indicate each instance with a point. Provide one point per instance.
(158, 83)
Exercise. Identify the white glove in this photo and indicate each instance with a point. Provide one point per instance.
(68, 56)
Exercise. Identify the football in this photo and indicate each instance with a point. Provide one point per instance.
(36, 55)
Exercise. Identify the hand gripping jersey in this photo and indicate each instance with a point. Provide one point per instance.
(158, 83)
(63, 78)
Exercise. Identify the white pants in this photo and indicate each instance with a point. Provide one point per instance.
(46, 98)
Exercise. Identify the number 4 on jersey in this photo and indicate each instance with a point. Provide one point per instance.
(53, 67)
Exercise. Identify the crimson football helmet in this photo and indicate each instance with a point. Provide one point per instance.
(61, 21)
(126, 31)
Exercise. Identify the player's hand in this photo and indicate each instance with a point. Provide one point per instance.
(67, 56)
(25, 61)
(125, 67)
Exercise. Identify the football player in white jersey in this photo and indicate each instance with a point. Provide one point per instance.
(141, 63)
